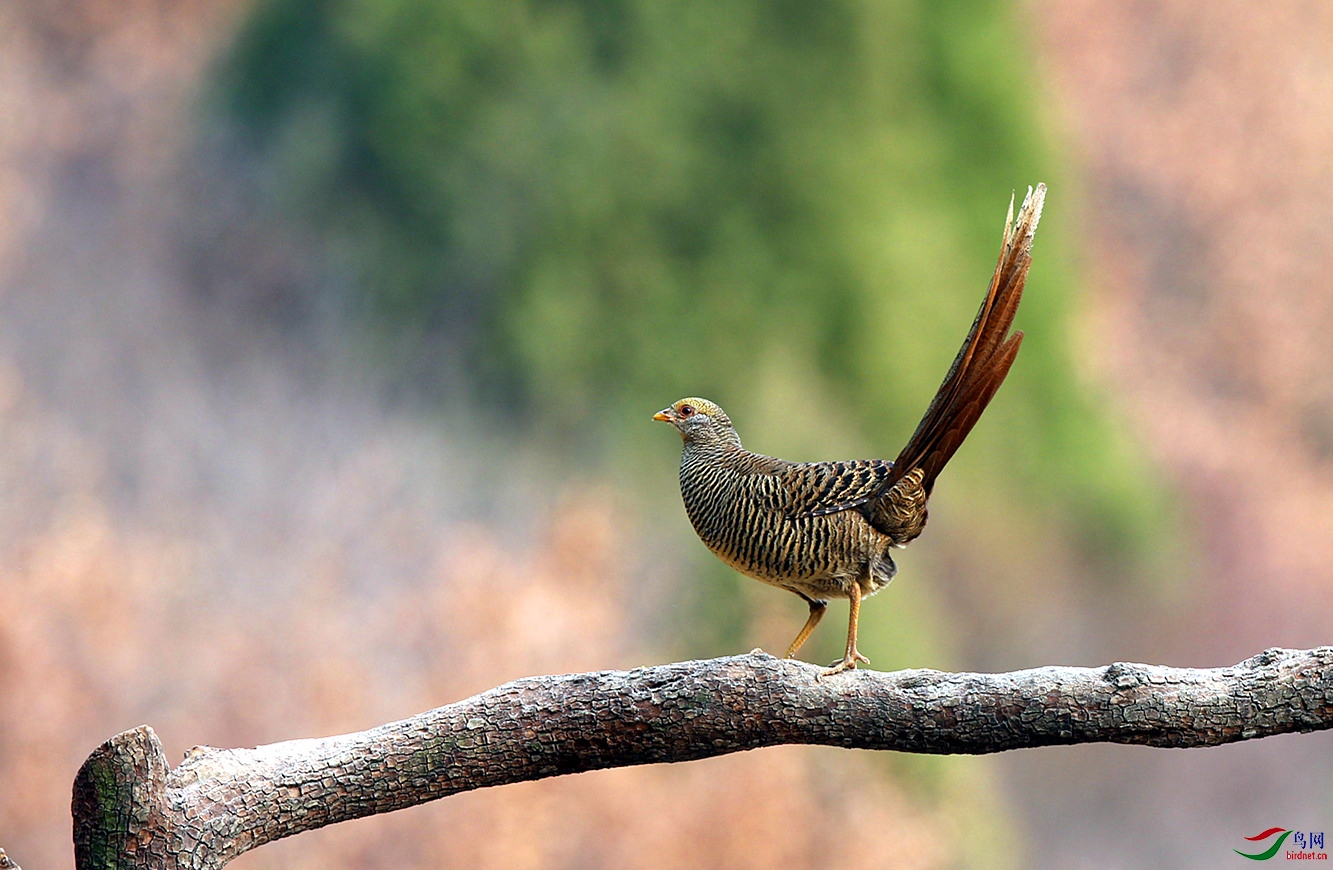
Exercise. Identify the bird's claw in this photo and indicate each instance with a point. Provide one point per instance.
(848, 663)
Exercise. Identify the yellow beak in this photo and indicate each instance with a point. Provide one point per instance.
(662, 415)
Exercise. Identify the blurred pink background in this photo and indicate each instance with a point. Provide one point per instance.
(226, 531)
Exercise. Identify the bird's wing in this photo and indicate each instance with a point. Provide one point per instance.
(813, 489)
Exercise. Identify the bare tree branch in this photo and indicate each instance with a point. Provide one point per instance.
(131, 810)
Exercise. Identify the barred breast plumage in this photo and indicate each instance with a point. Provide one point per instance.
(824, 529)
(747, 508)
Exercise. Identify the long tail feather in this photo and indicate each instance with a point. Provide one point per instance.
(982, 361)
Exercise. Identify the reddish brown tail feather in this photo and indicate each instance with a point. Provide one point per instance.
(983, 360)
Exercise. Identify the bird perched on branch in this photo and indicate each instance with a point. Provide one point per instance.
(824, 529)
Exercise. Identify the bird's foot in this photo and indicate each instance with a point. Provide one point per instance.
(848, 663)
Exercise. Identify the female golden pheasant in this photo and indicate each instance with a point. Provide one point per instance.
(824, 529)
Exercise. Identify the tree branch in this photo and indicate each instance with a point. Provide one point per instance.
(130, 810)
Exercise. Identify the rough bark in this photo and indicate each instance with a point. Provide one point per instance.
(131, 810)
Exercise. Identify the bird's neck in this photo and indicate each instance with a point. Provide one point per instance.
(713, 440)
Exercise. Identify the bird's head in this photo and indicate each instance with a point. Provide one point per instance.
(699, 421)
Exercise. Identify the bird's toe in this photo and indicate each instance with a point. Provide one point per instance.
(848, 663)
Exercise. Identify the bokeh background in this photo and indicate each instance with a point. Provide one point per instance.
(330, 333)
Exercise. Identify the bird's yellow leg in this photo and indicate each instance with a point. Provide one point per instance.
(852, 655)
(817, 609)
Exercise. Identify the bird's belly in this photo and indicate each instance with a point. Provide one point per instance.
(816, 556)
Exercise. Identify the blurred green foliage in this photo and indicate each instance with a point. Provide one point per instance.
(598, 206)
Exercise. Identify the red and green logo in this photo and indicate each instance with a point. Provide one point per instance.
(1271, 850)
(1313, 841)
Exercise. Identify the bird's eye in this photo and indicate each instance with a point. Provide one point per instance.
(686, 410)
